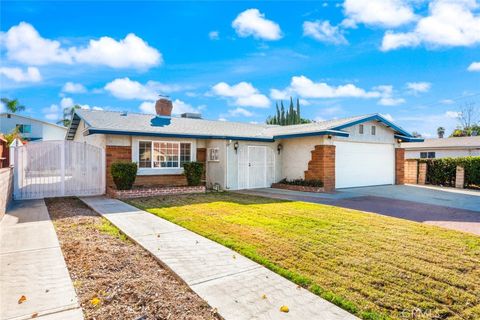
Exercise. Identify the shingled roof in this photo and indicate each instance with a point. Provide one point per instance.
(112, 122)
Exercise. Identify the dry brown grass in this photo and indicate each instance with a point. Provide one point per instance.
(374, 266)
(115, 278)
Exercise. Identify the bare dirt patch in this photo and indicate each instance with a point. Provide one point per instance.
(115, 278)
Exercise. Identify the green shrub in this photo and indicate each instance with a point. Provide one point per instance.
(193, 172)
(124, 174)
(442, 171)
(301, 182)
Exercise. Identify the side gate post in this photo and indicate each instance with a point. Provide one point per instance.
(62, 167)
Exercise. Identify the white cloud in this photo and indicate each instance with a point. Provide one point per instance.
(452, 114)
(214, 35)
(323, 31)
(385, 13)
(449, 23)
(252, 22)
(306, 88)
(71, 87)
(474, 66)
(24, 44)
(52, 113)
(240, 112)
(66, 103)
(179, 107)
(242, 94)
(130, 52)
(124, 88)
(447, 101)
(417, 87)
(31, 74)
(387, 98)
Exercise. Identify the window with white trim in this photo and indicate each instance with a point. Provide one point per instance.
(360, 128)
(213, 154)
(163, 154)
(374, 130)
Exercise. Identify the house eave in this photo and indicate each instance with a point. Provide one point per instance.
(408, 138)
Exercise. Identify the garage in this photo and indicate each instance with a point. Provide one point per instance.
(364, 164)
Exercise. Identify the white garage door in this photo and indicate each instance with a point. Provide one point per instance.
(364, 164)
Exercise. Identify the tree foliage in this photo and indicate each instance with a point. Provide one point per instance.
(124, 174)
(469, 121)
(67, 116)
(440, 132)
(287, 117)
(193, 172)
(13, 105)
(442, 171)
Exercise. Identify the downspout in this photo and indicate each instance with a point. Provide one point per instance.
(227, 145)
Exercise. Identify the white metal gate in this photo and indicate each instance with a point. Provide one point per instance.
(256, 167)
(58, 168)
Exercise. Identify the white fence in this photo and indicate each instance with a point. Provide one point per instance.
(57, 169)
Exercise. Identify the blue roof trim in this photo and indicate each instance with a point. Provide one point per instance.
(378, 118)
(173, 135)
(311, 134)
(408, 139)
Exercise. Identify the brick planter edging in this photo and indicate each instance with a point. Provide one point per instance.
(297, 188)
(154, 191)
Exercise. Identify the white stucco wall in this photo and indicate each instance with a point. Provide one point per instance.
(98, 140)
(383, 134)
(40, 130)
(216, 170)
(443, 153)
(296, 154)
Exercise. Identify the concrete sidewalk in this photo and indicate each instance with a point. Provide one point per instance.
(32, 265)
(226, 280)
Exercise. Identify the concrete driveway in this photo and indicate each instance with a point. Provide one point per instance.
(445, 207)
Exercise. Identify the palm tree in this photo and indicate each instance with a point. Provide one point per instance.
(441, 132)
(13, 105)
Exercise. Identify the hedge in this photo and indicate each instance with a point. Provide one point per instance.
(301, 182)
(124, 174)
(442, 171)
(193, 172)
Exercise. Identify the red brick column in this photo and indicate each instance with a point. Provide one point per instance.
(399, 166)
(322, 166)
(114, 154)
(411, 171)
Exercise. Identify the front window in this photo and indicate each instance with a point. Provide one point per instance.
(374, 130)
(24, 128)
(431, 155)
(360, 129)
(164, 155)
(423, 155)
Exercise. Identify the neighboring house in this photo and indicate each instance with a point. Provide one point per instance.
(442, 148)
(350, 152)
(31, 129)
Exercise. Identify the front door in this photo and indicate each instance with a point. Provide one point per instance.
(257, 167)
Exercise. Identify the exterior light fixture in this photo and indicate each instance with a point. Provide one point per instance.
(329, 137)
(279, 148)
(235, 146)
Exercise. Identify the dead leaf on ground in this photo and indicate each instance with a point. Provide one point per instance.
(22, 299)
(264, 296)
(284, 309)
(35, 315)
(95, 301)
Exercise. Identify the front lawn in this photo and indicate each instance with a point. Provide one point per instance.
(374, 266)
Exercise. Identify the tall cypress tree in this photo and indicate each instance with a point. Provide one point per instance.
(298, 118)
(282, 121)
(291, 113)
(278, 114)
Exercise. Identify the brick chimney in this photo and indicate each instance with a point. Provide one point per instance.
(164, 107)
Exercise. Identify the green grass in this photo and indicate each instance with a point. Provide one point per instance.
(374, 266)
(108, 228)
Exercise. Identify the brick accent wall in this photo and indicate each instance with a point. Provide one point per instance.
(154, 191)
(411, 171)
(322, 166)
(399, 166)
(422, 173)
(459, 177)
(121, 153)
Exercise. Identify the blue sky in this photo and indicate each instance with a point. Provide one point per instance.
(414, 61)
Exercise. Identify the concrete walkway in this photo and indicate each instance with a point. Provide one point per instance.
(226, 280)
(32, 265)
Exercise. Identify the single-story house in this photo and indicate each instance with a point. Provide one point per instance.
(443, 148)
(349, 152)
(31, 129)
